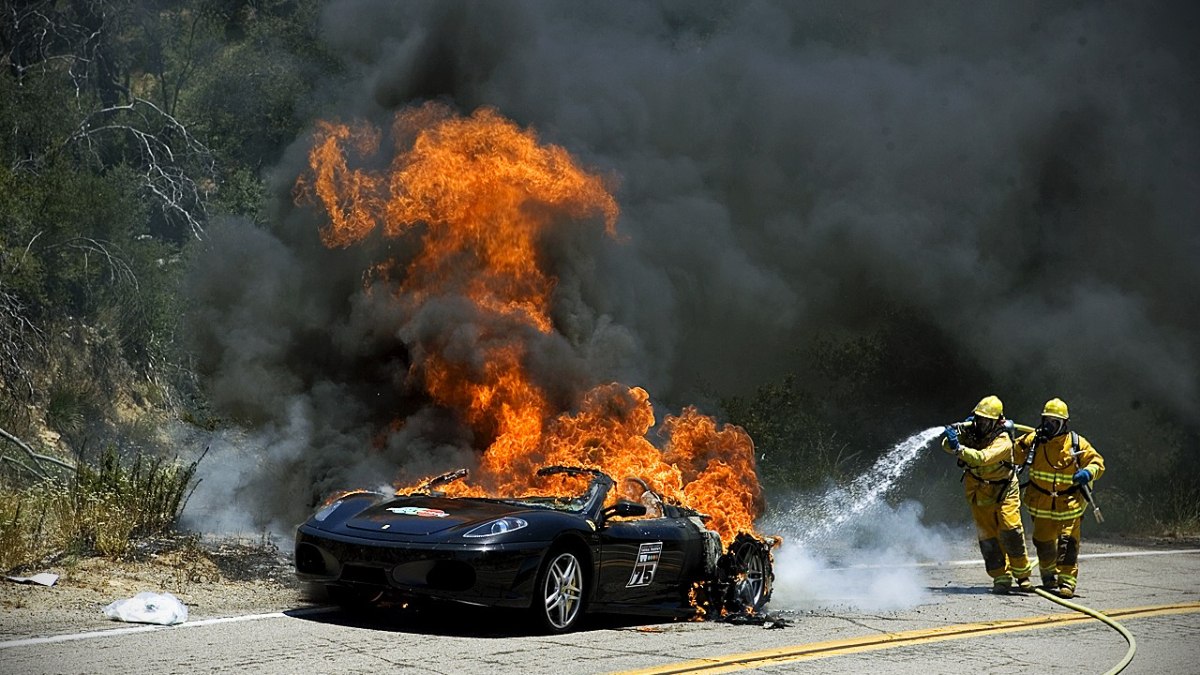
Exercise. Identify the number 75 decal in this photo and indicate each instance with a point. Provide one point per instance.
(646, 564)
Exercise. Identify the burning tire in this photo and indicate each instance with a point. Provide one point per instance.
(747, 568)
(561, 587)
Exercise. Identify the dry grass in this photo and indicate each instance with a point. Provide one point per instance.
(101, 510)
(1178, 514)
(1172, 510)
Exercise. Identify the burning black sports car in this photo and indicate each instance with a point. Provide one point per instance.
(558, 557)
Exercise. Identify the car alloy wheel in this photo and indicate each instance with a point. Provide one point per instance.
(750, 573)
(756, 573)
(562, 591)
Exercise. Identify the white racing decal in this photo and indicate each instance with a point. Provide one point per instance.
(646, 565)
(418, 511)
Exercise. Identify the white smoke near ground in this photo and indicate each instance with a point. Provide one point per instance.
(846, 547)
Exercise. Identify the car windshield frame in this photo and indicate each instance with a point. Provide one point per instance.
(573, 504)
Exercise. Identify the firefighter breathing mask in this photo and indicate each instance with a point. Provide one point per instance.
(985, 426)
(1054, 419)
(1051, 427)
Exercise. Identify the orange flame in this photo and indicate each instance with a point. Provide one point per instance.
(481, 194)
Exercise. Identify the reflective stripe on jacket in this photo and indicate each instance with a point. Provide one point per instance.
(1051, 475)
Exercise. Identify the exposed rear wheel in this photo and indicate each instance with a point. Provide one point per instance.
(559, 598)
(752, 576)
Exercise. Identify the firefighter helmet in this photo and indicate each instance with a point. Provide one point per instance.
(1055, 408)
(990, 407)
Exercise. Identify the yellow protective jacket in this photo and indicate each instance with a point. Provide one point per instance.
(1051, 492)
(989, 470)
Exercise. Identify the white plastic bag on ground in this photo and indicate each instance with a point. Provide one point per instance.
(44, 579)
(160, 608)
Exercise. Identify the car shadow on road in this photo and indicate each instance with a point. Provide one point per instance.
(458, 621)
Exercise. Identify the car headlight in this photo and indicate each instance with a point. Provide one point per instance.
(500, 526)
(324, 513)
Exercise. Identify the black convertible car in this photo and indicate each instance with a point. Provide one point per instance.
(557, 557)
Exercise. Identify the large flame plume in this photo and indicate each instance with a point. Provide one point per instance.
(480, 194)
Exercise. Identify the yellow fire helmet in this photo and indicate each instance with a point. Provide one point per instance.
(991, 408)
(1055, 408)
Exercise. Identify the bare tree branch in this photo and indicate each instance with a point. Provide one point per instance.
(173, 163)
(20, 340)
(12, 460)
(25, 253)
(170, 155)
(40, 34)
(37, 458)
(118, 268)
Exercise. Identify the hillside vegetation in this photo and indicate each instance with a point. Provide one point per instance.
(126, 128)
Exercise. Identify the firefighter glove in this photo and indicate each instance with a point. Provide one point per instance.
(1082, 476)
(952, 438)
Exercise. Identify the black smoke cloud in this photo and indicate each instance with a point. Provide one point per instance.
(1014, 183)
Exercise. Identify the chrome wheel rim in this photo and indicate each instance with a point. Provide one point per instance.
(563, 590)
(756, 573)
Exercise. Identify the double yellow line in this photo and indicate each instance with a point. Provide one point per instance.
(820, 650)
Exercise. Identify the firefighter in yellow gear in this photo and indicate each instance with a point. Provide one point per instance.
(984, 446)
(1060, 462)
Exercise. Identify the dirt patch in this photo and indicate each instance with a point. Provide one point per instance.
(224, 577)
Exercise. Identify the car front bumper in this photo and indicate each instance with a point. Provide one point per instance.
(495, 575)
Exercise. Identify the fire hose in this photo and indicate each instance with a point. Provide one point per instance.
(1085, 489)
(1129, 653)
(1100, 616)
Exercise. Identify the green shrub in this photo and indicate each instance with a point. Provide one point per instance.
(101, 510)
(69, 406)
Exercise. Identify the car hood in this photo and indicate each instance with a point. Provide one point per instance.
(428, 515)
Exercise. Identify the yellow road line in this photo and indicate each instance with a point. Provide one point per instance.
(819, 650)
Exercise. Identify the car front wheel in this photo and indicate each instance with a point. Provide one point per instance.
(558, 604)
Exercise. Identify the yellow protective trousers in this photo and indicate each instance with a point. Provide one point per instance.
(1001, 536)
(1057, 544)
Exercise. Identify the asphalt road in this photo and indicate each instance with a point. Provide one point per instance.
(958, 628)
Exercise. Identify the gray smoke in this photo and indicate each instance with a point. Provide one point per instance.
(1016, 182)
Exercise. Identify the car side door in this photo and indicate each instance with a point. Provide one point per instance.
(641, 562)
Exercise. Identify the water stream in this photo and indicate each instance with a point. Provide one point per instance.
(812, 519)
(831, 537)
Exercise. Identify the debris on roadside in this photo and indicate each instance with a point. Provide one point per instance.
(766, 620)
(159, 608)
(43, 579)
